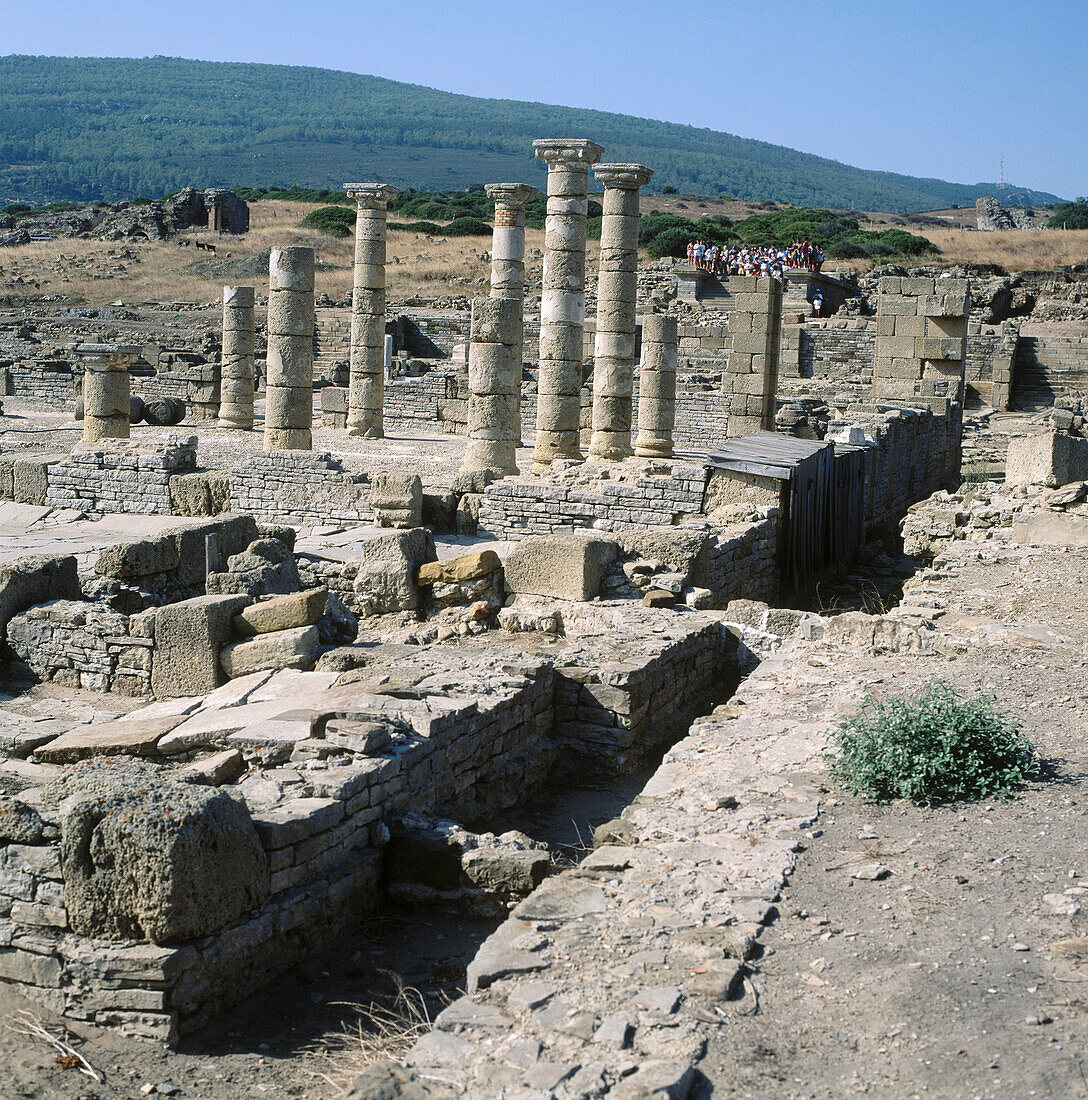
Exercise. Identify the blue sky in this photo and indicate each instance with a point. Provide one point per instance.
(920, 87)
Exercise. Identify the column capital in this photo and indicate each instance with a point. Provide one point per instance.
(562, 151)
(628, 177)
(108, 354)
(371, 196)
(514, 195)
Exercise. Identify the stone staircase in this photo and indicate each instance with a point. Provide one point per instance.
(1048, 368)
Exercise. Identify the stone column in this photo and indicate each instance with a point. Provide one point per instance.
(562, 299)
(617, 291)
(289, 392)
(237, 372)
(494, 378)
(508, 255)
(751, 375)
(366, 380)
(657, 387)
(106, 389)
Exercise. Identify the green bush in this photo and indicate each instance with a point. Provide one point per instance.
(467, 227)
(416, 227)
(932, 748)
(17, 208)
(337, 221)
(1070, 215)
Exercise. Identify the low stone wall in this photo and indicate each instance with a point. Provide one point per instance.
(48, 381)
(120, 476)
(304, 488)
(516, 507)
(76, 643)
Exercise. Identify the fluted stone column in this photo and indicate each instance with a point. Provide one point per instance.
(657, 387)
(617, 291)
(106, 389)
(508, 255)
(237, 372)
(494, 378)
(366, 380)
(289, 391)
(562, 299)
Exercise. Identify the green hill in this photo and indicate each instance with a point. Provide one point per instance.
(88, 128)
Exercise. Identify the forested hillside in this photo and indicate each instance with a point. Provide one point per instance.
(88, 128)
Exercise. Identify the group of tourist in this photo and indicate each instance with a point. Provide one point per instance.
(750, 260)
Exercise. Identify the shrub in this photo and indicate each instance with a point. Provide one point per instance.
(416, 227)
(467, 227)
(1070, 215)
(337, 221)
(668, 189)
(16, 208)
(932, 748)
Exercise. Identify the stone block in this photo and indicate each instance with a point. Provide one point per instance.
(188, 636)
(282, 612)
(563, 567)
(36, 579)
(388, 567)
(465, 567)
(1052, 459)
(294, 648)
(159, 861)
(30, 477)
(397, 500)
(205, 493)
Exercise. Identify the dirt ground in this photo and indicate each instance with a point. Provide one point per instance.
(949, 977)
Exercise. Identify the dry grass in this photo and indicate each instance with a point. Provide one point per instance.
(382, 1032)
(1015, 250)
(98, 272)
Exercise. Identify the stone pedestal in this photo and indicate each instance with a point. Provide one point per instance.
(237, 372)
(657, 387)
(289, 393)
(508, 255)
(562, 299)
(494, 378)
(617, 291)
(106, 389)
(366, 381)
(751, 375)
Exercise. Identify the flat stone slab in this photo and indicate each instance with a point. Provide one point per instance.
(214, 727)
(118, 738)
(562, 899)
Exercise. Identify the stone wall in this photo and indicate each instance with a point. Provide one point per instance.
(519, 506)
(478, 726)
(305, 488)
(120, 476)
(76, 643)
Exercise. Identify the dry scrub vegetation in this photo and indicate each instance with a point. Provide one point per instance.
(98, 272)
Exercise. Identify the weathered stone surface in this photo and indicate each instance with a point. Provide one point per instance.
(20, 823)
(388, 567)
(1052, 459)
(397, 500)
(282, 612)
(120, 738)
(29, 477)
(281, 649)
(564, 567)
(163, 862)
(36, 579)
(188, 636)
(264, 568)
(465, 567)
(204, 493)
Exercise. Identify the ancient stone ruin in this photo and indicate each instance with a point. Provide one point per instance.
(313, 658)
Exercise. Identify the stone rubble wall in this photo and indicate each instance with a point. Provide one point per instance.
(120, 477)
(515, 507)
(304, 488)
(75, 643)
(471, 740)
